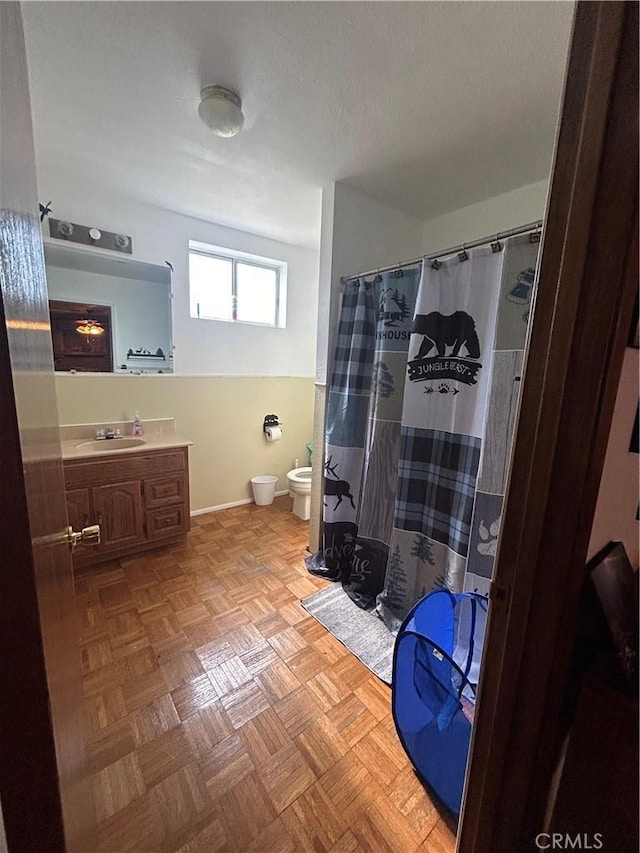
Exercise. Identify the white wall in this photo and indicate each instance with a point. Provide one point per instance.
(499, 213)
(242, 372)
(358, 234)
(205, 346)
(140, 311)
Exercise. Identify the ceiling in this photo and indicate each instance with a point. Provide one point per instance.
(426, 106)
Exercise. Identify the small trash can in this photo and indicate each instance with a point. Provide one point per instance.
(264, 489)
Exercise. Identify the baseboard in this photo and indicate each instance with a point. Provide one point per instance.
(207, 509)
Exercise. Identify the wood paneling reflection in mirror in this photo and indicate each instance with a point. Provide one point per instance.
(82, 336)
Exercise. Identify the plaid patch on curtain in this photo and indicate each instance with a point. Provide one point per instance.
(436, 485)
(356, 340)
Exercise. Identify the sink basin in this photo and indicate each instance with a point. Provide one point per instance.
(108, 445)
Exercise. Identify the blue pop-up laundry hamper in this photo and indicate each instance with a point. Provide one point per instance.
(436, 664)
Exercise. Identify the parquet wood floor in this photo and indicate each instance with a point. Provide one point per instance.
(225, 718)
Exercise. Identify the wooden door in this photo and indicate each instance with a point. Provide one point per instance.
(46, 799)
(118, 510)
(587, 283)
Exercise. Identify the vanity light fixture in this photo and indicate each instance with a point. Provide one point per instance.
(221, 110)
(65, 229)
(90, 327)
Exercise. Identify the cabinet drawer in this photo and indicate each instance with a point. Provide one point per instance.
(87, 473)
(169, 521)
(163, 491)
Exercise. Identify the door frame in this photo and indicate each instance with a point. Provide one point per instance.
(587, 281)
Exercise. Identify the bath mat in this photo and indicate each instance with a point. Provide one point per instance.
(362, 632)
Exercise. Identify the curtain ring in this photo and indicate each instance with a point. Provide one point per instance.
(497, 245)
(435, 264)
(463, 256)
(378, 277)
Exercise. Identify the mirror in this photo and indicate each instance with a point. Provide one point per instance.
(108, 314)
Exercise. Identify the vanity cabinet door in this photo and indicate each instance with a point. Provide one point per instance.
(79, 513)
(118, 510)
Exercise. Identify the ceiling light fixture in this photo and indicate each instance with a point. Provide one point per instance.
(89, 327)
(221, 110)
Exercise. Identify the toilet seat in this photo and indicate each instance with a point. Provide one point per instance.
(299, 480)
(300, 475)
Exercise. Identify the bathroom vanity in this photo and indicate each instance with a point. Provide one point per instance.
(136, 490)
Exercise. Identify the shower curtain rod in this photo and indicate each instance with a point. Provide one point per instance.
(502, 235)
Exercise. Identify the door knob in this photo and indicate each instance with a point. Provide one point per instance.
(88, 536)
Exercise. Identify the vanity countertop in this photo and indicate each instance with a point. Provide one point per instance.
(78, 440)
(73, 449)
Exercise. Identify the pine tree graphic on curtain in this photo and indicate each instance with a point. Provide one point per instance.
(382, 380)
(423, 550)
(392, 314)
(398, 577)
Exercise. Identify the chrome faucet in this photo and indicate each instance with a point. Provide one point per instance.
(109, 432)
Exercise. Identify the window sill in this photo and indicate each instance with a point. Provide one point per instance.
(238, 322)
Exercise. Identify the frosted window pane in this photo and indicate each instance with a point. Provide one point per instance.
(210, 287)
(256, 294)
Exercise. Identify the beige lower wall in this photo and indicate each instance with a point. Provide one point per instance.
(222, 415)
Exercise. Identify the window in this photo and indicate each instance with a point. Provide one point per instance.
(235, 286)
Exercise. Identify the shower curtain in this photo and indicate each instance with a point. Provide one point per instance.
(443, 416)
(406, 416)
(364, 408)
(514, 309)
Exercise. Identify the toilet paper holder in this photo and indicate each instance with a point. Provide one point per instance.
(270, 421)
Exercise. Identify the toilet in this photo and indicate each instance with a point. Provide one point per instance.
(299, 480)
